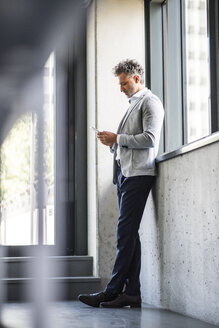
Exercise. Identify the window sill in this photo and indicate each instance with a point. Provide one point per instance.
(189, 147)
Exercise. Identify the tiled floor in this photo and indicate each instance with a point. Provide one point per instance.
(77, 315)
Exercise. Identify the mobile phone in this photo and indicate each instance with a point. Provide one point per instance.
(93, 128)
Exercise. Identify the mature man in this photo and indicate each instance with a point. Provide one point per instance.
(135, 147)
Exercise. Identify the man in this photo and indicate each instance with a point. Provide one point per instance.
(135, 147)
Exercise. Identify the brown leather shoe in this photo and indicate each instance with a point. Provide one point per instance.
(95, 299)
(123, 300)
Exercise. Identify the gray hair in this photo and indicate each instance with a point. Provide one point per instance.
(130, 67)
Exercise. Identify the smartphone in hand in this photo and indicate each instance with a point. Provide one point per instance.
(94, 129)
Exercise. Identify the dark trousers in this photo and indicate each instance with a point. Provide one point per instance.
(132, 195)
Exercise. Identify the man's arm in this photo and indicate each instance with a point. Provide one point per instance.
(152, 119)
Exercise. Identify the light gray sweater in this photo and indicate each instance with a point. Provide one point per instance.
(139, 136)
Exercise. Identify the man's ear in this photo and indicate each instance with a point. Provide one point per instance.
(137, 78)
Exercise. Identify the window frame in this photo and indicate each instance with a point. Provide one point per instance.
(71, 153)
(213, 16)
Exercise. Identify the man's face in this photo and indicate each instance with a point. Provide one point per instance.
(129, 85)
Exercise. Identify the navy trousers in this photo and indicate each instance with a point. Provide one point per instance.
(132, 195)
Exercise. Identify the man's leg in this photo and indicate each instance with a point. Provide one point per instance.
(134, 193)
(132, 283)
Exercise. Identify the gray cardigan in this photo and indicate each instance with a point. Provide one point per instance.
(139, 135)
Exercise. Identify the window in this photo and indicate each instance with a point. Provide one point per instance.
(192, 106)
(197, 77)
(191, 29)
(187, 56)
(19, 177)
(191, 55)
(191, 4)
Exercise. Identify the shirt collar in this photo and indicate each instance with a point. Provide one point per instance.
(136, 95)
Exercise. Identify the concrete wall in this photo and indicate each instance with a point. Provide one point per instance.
(180, 236)
(114, 34)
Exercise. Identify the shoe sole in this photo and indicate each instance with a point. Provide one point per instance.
(134, 306)
(138, 305)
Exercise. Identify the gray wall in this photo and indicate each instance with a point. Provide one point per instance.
(180, 236)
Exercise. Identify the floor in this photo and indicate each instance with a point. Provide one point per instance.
(77, 315)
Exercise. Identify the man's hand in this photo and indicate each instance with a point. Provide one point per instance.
(107, 138)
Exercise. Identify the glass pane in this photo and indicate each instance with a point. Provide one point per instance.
(18, 174)
(197, 69)
(15, 185)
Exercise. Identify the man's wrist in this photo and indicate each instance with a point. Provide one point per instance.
(117, 138)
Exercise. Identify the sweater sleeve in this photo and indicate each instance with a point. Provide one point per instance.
(152, 119)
